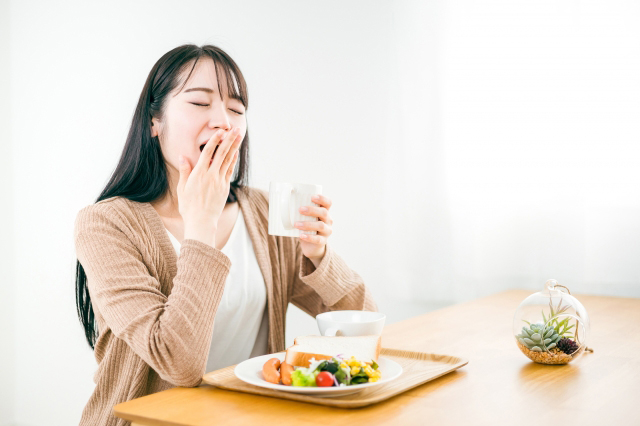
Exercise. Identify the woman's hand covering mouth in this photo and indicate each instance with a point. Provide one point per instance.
(203, 144)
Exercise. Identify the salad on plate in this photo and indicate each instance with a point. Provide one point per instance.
(337, 371)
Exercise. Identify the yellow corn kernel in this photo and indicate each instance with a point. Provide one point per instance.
(355, 370)
(373, 379)
(343, 365)
(368, 371)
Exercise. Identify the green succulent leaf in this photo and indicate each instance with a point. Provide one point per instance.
(539, 337)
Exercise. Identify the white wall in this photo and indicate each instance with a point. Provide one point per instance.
(488, 147)
(540, 107)
(7, 257)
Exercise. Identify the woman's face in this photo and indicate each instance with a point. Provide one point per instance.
(194, 115)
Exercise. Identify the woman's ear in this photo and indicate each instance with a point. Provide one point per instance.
(154, 127)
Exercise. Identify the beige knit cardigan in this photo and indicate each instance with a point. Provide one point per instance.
(155, 311)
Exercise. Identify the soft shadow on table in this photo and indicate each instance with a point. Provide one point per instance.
(541, 378)
(436, 384)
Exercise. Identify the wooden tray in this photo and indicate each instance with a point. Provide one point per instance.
(418, 368)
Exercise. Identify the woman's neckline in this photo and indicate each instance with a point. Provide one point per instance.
(234, 230)
(169, 253)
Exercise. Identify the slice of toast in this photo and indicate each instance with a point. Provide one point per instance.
(364, 348)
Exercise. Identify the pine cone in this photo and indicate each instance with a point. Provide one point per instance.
(567, 346)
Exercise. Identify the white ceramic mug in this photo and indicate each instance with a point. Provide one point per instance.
(350, 323)
(285, 200)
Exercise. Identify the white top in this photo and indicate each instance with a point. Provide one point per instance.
(241, 324)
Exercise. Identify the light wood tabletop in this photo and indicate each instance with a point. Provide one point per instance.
(498, 386)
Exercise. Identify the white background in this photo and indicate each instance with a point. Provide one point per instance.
(469, 147)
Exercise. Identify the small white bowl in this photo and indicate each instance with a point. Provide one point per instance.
(350, 323)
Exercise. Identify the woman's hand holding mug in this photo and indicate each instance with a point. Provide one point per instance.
(203, 191)
(314, 246)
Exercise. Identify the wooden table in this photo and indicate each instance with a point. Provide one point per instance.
(498, 386)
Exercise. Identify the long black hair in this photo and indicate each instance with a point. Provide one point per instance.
(141, 173)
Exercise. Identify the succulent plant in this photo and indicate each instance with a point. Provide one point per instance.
(538, 337)
(567, 346)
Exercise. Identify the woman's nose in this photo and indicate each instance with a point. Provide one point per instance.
(219, 117)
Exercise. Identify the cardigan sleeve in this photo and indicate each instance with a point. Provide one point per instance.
(333, 286)
(172, 334)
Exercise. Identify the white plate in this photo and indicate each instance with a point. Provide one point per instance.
(250, 371)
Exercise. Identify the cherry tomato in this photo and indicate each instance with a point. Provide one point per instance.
(324, 379)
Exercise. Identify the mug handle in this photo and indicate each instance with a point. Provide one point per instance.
(331, 332)
(285, 206)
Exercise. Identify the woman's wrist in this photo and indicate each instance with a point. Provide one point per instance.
(204, 234)
(317, 260)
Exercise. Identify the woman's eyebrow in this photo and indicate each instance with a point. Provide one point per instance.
(203, 89)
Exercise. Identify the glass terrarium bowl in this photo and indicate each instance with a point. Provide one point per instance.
(551, 326)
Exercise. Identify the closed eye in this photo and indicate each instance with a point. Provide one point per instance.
(206, 105)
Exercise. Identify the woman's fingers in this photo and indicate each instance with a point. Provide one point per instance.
(322, 200)
(229, 158)
(222, 151)
(233, 165)
(205, 157)
(319, 212)
(314, 246)
(320, 227)
(185, 170)
(313, 239)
